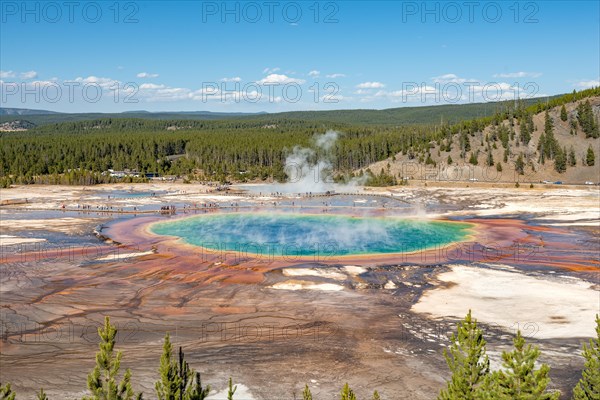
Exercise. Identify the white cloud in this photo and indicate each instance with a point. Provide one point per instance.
(7, 74)
(234, 79)
(146, 75)
(370, 85)
(151, 86)
(104, 83)
(588, 84)
(314, 73)
(270, 70)
(29, 75)
(336, 76)
(449, 78)
(520, 74)
(164, 93)
(41, 84)
(277, 79)
(436, 93)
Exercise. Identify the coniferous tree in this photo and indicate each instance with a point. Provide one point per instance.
(376, 395)
(169, 385)
(548, 123)
(560, 160)
(42, 395)
(197, 392)
(542, 148)
(306, 394)
(587, 120)
(590, 158)
(102, 381)
(177, 380)
(588, 387)
(572, 157)
(573, 125)
(185, 376)
(519, 379)
(473, 158)
(490, 158)
(347, 393)
(525, 127)
(465, 144)
(504, 135)
(231, 390)
(530, 124)
(520, 164)
(525, 134)
(467, 361)
(6, 392)
(550, 145)
(563, 113)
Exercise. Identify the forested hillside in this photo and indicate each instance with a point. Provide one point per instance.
(558, 141)
(241, 150)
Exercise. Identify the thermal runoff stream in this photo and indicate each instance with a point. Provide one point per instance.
(283, 234)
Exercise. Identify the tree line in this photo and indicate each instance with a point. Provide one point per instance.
(80, 152)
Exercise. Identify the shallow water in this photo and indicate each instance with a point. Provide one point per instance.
(287, 234)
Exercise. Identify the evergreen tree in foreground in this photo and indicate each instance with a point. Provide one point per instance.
(169, 385)
(306, 394)
(376, 395)
(467, 361)
(102, 381)
(588, 387)
(177, 378)
(6, 393)
(231, 390)
(347, 393)
(197, 391)
(42, 395)
(519, 379)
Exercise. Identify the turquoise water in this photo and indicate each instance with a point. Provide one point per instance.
(280, 234)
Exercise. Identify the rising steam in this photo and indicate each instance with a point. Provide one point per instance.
(311, 170)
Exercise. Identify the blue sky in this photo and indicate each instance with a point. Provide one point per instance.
(216, 56)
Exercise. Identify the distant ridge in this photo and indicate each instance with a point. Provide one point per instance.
(435, 114)
(202, 113)
(24, 111)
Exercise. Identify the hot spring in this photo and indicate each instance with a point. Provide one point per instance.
(287, 234)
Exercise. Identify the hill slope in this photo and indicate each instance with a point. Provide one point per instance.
(502, 145)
